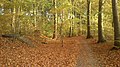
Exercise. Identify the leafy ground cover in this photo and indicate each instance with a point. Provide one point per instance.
(71, 52)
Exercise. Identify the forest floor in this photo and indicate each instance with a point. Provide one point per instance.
(69, 52)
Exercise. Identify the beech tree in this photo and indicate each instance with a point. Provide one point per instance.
(88, 19)
(55, 20)
(100, 23)
(116, 24)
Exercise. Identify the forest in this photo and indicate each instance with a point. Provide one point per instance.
(59, 33)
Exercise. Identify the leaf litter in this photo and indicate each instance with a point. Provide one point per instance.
(71, 53)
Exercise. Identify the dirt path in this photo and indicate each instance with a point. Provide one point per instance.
(86, 58)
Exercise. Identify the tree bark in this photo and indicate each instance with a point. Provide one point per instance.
(100, 26)
(71, 28)
(79, 25)
(14, 20)
(55, 21)
(116, 25)
(34, 14)
(88, 20)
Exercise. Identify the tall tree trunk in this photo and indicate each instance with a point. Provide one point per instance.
(61, 25)
(88, 19)
(116, 24)
(14, 20)
(73, 13)
(18, 24)
(100, 26)
(61, 28)
(34, 14)
(55, 21)
(79, 25)
(71, 28)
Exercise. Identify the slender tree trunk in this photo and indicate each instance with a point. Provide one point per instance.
(100, 27)
(88, 19)
(17, 24)
(70, 29)
(116, 25)
(72, 19)
(55, 21)
(13, 20)
(61, 28)
(61, 25)
(34, 14)
(79, 25)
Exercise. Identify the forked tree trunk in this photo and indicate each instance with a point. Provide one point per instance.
(100, 26)
(116, 25)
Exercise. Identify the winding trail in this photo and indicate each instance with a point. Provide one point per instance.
(86, 58)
